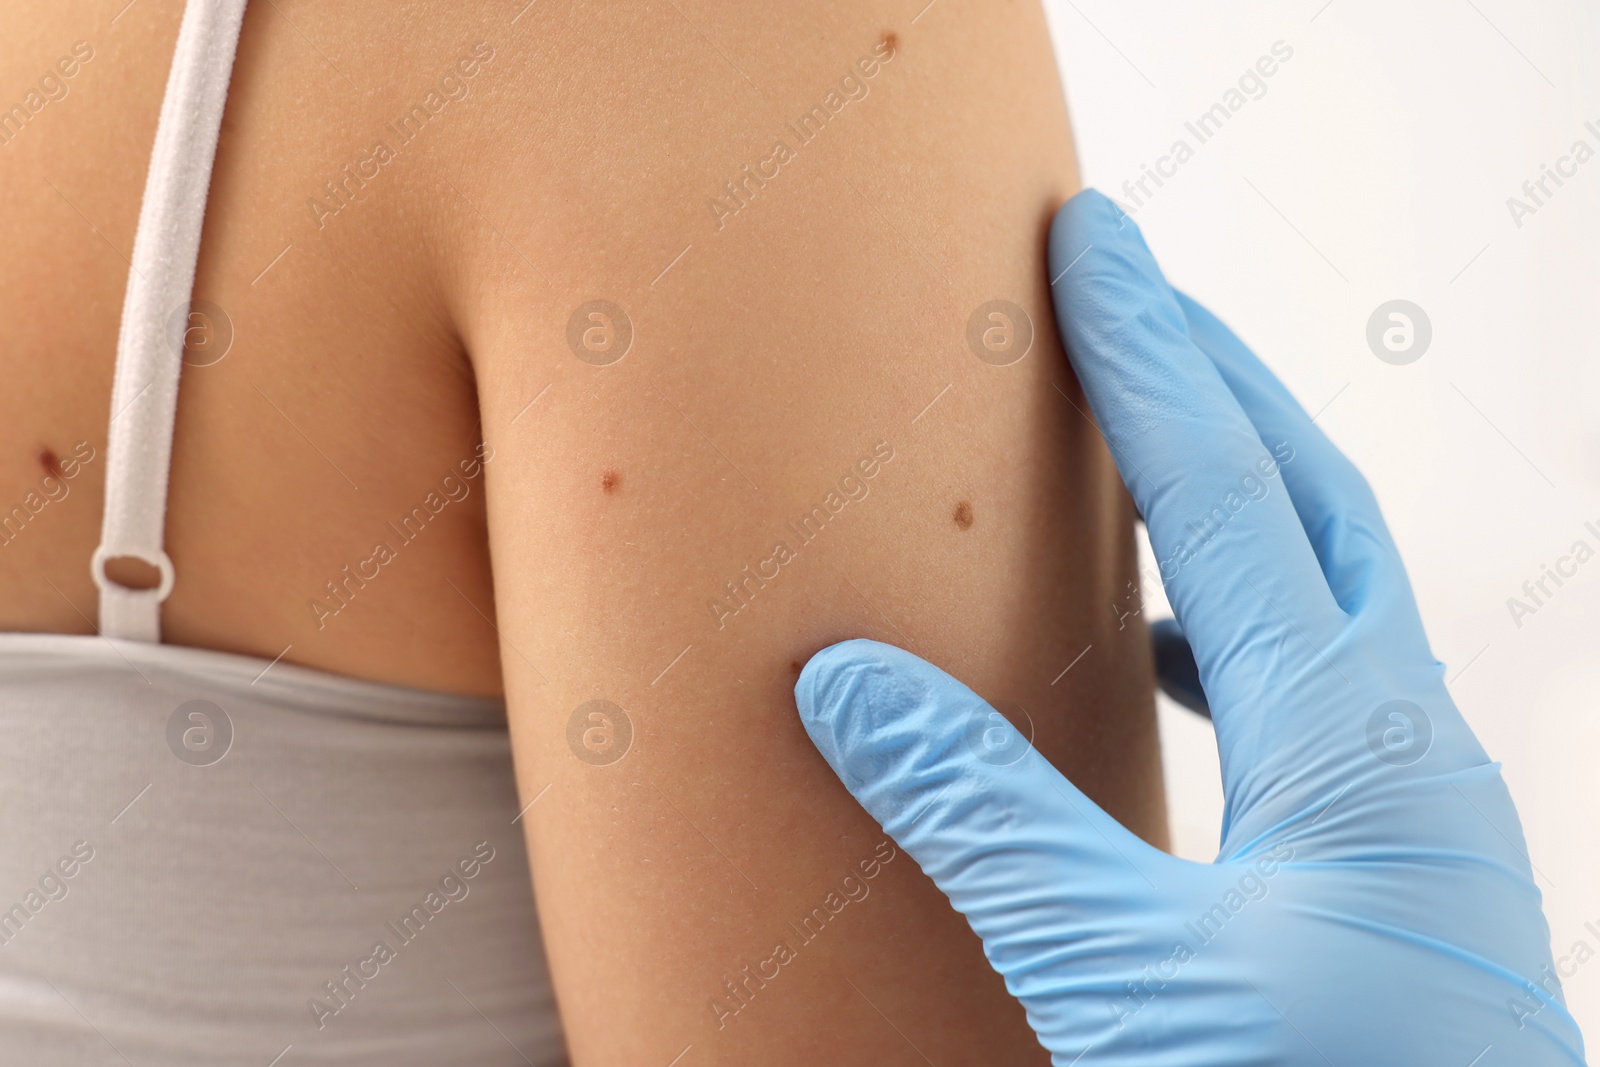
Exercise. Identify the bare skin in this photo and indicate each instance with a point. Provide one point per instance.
(785, 342)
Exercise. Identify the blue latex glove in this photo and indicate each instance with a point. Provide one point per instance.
(1372, 902)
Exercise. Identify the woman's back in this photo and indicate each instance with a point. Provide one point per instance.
(211, 858)
(542, 276)
(344, 396)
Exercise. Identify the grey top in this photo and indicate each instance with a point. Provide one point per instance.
(206, 864)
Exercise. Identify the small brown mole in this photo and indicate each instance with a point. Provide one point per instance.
(892, 40)
(963, 516)
(609, 480)
(50, 462)
(794, 665)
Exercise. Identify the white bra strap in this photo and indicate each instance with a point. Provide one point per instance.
(155, 314)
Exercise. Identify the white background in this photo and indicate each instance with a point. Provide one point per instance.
(1377, 166)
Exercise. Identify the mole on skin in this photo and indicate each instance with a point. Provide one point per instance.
(609, 480)
(50, 463)
(963, 516)
(891, 39)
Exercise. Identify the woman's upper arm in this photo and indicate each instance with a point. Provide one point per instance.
(735, 416)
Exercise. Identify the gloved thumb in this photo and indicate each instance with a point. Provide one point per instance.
(1033, 864)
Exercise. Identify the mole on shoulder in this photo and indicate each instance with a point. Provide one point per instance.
(963, 516)
(794, 665)
(891, 40)
(609, 480)
(50, 462)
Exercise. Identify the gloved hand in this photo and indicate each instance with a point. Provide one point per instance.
(1372, 902)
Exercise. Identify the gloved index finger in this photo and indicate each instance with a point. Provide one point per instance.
(1232, 552)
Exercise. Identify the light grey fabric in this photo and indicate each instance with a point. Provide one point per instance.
(216, 887)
